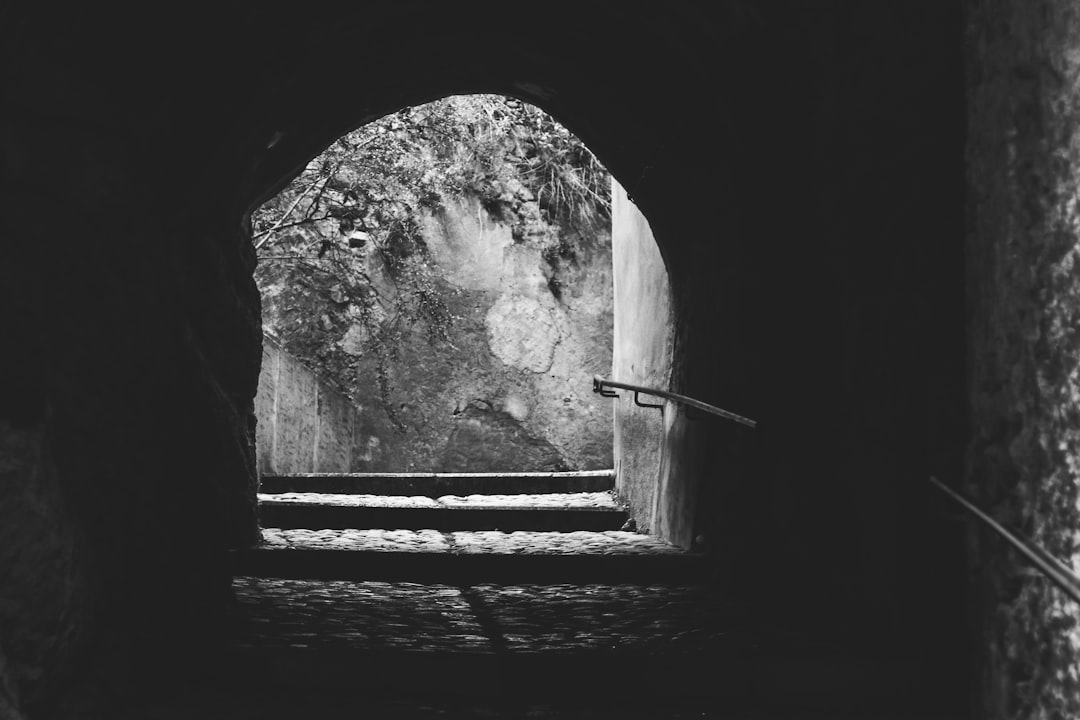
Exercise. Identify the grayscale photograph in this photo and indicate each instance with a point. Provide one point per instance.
(540, 361)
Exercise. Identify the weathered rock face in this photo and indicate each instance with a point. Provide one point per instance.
(510, 388)
(1024, 296)
(487, 440)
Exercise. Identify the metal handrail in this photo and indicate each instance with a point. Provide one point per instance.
(1058, 572)
(601, 385)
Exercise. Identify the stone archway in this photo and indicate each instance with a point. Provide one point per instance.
(527, 331)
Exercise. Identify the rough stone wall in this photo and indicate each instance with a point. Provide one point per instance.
(510, 389)
(1024, 302)
(642, 354)
(140, 435)
(132, 433)
(129, 356)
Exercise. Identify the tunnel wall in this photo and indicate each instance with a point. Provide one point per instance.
(1023, 242)
(129, 350)
(304, 425)
(129, 462)
(642, 355)
(817, 292)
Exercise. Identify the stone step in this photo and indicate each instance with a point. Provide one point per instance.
(439, 484)
(468, 557)
(555, 511)
(488, 640)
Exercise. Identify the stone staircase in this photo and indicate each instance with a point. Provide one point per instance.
(478, 595)
(378, 616)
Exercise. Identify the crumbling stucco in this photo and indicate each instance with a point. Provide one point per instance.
(524, 332)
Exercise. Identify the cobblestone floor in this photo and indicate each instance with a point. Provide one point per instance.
(482, 618)
(364, 615)
(567, 501)
(558, 618)
(612, 542)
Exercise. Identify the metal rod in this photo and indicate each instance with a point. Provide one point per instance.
(1058, 572)
(637, 401)
(601, 385)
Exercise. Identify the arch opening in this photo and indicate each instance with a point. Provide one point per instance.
(438, 294)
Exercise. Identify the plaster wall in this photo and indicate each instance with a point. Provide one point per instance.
(642, 355)
(304, 424)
